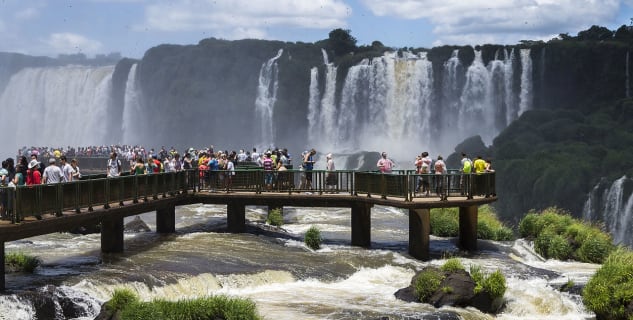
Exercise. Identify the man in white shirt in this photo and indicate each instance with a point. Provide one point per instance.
(52, 173)
(67, 170)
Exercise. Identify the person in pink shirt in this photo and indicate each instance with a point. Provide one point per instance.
(385, 165)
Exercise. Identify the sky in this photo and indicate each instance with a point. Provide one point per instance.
(130, 27)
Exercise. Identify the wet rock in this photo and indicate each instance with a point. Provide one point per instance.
(406, 294)
(444, 315)
(485, 303)
(137, 225)
(84, 230)
(456, 289)
(50, 302)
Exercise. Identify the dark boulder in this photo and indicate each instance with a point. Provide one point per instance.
(457, 289)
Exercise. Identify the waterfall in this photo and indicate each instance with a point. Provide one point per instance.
(352, 117)
(132, 111)
(474, 113)
(314, 106)
(266, 97)
(614, 207)
(58, 106)
(327, 117)
(511, 109)
(526, 81)
(627, 84)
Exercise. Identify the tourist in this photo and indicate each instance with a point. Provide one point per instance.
(331, 179)
(114, 166)
(19, 179)
(466, 169)
(52, 173)
(385, 165)
(230, 172)
(308, 162)
(76, 174)
(268, 170)
(139, 167)
(33, 175)
(67, 169)
(425, 169)
(440, 170)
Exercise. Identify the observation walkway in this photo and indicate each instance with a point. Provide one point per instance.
(43, 209)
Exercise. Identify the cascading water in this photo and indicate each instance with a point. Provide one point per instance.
(57, 106)
(613, 205)
(526, 81)
(132, 110)
(391, 103)
(266, 98)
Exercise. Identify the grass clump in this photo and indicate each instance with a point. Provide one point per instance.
(610, 291)
(313, 238)
(21, 262)
(275, 218)
(426, 283)
(128, 305)
(557, 235)
(494, 284)
(452, 265)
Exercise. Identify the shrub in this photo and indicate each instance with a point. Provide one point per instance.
(610, 290)
(559, 248)
(477, 275)
(20, 261)
(444, 222)
(275, 218)
(452, 265)
(595, 248)
(495, 284)
(484, 230)
(313, 238)
(542, 242)
(489, 227)
(426, 283)
(504, 234)
(527, 225)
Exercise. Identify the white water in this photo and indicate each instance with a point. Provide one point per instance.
(57, 106)
(284, 278)
(614, 207)
(388, 103)
(133, 116)
(266, 98)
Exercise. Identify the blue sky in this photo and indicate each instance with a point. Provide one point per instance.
(39, 27)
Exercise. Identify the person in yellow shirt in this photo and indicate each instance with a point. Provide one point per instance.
(57, 153)
(480, 165)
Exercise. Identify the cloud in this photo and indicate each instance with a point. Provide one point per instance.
(234, 18)
(27, 14)
(72, 43)
(500, 21)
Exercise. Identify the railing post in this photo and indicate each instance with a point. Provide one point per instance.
(2, 276)
(107, 194)
(135, 200)
(59, 196)
(77, 196)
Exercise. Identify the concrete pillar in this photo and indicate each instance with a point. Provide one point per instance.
(236, 217)
(112, 235)
(2, 285)
(166, 219)
(419, 231)
(361, 225)
(468, 228)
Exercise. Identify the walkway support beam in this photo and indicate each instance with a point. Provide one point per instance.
(361, 225)
(112, 235)
(468, 228)
(419, 233)
(166, 219)
(236, 217)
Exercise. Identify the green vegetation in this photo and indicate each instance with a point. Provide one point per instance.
(609, 293)
(426, 283)
(313, 238)
(445, 223)
(275, 218)
(452, 265)
(216, 307)
(494, 283)
(21, 262)
(557, 235)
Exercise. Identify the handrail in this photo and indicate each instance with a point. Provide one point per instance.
(36, 200)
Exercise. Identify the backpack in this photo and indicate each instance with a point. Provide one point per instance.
(468, 166)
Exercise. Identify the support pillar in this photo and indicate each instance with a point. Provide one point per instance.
(112, 235)
(468, 228)
(236, 217)
(419, 233)
(2, 284)
(166, 219)
(361, 225)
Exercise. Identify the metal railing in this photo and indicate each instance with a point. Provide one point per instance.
(37, 200)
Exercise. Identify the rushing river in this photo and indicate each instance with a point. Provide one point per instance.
(277, 271)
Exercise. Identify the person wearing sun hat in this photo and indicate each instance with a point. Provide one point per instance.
(52, 173)
(33, 175)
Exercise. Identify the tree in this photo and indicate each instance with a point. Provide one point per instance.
(341, 42)
(595, 33)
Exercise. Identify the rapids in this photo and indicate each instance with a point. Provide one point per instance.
(277, 271)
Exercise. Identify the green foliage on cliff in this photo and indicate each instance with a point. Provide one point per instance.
(21, 262)
(555, 157)
(426, 283)
(445, 223)
(313, 238)
(559, 236)
(609, 293)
